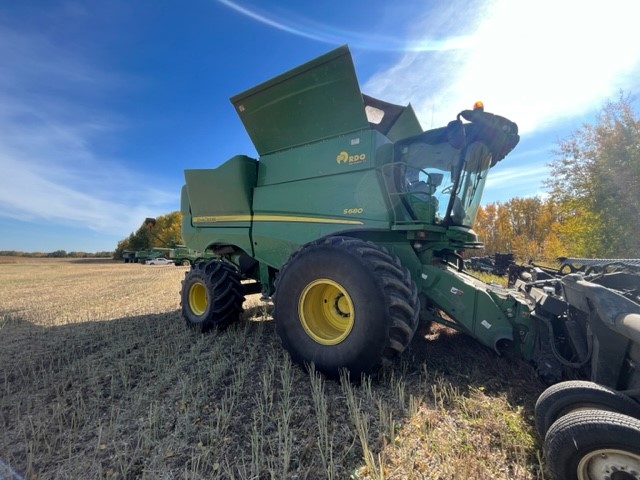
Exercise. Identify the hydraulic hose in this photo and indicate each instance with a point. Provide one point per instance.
(554, 350)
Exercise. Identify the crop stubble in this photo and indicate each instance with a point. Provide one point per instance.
(100, 378)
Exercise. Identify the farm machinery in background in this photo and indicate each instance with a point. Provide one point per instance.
(496, 264)
(128, 256)
(141, 256)
(185, 256)
(353, 221)
(181, 255)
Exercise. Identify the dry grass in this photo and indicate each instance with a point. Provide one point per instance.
(100, 378)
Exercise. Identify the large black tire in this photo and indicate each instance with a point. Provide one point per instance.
(593, 445)
(565, 397)
(342, 302)
(211, 296)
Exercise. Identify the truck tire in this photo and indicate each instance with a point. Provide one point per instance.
(593, 445)
(211, 296)
(342, 302)
(185, 262)
(565, 397)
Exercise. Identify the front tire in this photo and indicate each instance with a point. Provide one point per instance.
(565, 397)
(593, 445)
(342, 302)
(211, 296)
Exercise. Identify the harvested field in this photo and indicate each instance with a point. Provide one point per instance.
(100, 378)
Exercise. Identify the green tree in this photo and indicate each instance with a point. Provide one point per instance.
(595, 179)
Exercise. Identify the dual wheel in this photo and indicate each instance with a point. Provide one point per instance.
(590, 432)
(339, 303)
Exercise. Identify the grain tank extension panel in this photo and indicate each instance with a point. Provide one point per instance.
(317, 100)
(223, 193)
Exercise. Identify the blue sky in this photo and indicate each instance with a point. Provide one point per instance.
(103, 104)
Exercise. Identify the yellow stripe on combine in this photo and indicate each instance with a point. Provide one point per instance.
(272, 218)
(222, 218)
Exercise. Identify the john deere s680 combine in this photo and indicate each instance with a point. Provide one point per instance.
(353, 220)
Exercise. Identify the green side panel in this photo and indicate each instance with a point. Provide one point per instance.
(348, 198)
(274, 242)
(335, 156)
(223, 193)
(199, 238)
(405, 126)
(317, 100)
(216, 204)
(288, 215)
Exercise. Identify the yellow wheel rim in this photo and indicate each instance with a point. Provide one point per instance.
(326, 311)
(198, 298)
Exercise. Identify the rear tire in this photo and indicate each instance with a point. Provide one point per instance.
(211, 296)
(565, 397)
(342, 302)
(593, 445)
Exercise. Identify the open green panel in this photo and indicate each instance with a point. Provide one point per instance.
(223, 193)
(317, 100)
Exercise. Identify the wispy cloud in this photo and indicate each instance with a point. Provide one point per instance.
(51, 120)
(536, 62)
(513, 177)
(521, 174)
(331, 34)
(506, 182)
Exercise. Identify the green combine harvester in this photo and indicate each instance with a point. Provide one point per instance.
(185, 256)
(354, 220)
(353, 217)
(128, 256)
(142, 256)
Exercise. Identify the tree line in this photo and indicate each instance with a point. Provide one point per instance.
(592, 208)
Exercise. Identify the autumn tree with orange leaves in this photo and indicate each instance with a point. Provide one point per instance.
(593, 208)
